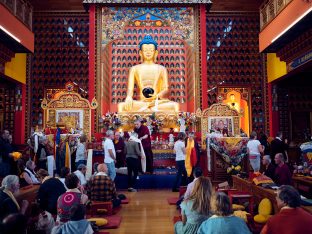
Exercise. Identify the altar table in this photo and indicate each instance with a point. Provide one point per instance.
(259, 192)
(303, 184)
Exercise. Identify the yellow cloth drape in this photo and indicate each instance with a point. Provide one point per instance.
(67, 155)
(189, 147)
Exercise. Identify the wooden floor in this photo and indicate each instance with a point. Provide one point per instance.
(147, 212)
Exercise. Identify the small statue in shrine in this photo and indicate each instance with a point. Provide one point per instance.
(182, 125)
(171, 139)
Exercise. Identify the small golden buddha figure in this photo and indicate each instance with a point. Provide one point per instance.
(152, 82)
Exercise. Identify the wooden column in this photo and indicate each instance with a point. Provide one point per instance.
(92, 55)
(203, 56)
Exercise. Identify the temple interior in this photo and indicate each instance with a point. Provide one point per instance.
(156, 116)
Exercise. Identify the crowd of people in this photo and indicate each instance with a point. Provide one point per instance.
(273, 155)
(60, 202)
(204, 211)
(62, 197)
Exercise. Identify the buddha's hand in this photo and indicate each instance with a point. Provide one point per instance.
(152, 97)
(128, 103)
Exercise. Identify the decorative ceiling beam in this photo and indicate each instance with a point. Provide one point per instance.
(111, 2)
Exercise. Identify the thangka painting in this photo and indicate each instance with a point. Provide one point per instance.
(221, 125)
(122, 28)
(71, 118)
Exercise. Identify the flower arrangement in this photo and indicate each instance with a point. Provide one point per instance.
(153, 123)
(187, 120)
(110, 121)
(234, 170)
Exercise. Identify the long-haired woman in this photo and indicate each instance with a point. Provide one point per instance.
(196, 208)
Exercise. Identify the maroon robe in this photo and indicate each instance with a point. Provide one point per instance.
(146, 143)
(120, 156)
(283, 175)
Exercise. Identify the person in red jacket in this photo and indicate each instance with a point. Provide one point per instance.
(291, 219)
(282, 174)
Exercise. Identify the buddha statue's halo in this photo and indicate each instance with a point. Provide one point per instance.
(148, 39)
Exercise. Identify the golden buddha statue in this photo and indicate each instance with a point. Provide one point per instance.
(152, 82)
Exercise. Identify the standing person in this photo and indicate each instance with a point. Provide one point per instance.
(282, 173)
(254, 150)
(223, 221)
(110, 154)
(133, 153)
(264, 141)
(42, 154)
(192, 158)
(81, 153)
(196, 208)
(144, 136)
(119, 147)
(179, 148)
(279, 146)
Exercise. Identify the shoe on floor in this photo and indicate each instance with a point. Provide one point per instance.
(175, 190)
(133, 190)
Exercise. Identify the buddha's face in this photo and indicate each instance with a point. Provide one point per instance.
(232, 98)
(148, 52)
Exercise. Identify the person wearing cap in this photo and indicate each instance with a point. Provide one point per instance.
(81, 174)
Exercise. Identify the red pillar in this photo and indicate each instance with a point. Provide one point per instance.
(19, 120)
(92, 54)
(203, 56)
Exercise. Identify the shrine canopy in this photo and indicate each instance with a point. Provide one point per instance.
(67, 108)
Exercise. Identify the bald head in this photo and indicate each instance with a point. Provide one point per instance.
(102, 168)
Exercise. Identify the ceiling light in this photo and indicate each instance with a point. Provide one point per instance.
(10, 34)
(292, 24)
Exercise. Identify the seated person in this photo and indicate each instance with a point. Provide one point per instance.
(65, 171)
(269, 166)
(196, 208)
(8, 204)
(223, 220)
(49, 191)
(72, 196)
(14, 223)
(77, 223)
(39, 221)
(291, 219)
(102, 188)
(28, 175)
(81, 174)
(197, 173)
(282, 174)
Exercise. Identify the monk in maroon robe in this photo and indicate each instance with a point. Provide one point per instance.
(119, 148)
(144, 136)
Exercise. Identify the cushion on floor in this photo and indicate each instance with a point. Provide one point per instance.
(114, 222)
(172, 200)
